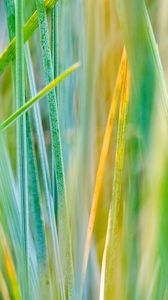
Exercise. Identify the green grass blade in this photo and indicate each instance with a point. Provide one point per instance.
(63, 219)
(47, 205)
(22, 155)
(11, 194)
(31, 25)
(147, 81)
(32, 182)
(46, 180)
(143, 42)
(38, 128)
(40, 95)
(9, 200)
(35, 215)
(10, 12)
(54, 52)
(156, 58)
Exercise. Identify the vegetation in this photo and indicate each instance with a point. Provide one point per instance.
(83, 150)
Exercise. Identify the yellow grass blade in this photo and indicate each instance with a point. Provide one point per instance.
(9, 266)
(103, 159)
(3, 288)
(108, 287)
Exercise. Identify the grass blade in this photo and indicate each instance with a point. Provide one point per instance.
(31, 25)
(38, 127)
(22, 155)
(11, 206)
(9, 267)
(47, 205)
(147, 83)
(40, 95)
(9, 200)
(144, 45)
(35, 214)
(3, 288)
(103, 159)
(63, 220)
(36, 227)
(156, 58)
(10, 12)
(54, 52)
(107, 275)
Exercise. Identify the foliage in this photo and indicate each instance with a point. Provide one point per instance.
(83, 150)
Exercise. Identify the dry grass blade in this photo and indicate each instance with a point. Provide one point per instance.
(103, 159)
(109, 255)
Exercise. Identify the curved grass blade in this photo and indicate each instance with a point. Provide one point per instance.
(102, 161)
(109, 254)
(40, 95)
(31, 25)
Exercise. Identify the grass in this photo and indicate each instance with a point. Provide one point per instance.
(103, 159)
(83, 151)
(40, 95)
(110, 249)
(63, 217)
(22, 151)
(30, 26)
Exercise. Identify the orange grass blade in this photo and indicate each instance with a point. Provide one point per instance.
(112, 236)
(103, 159)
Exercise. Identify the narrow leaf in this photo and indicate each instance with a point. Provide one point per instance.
(109, 254)
(63, 216)
(103, 160)
(40, 95)
(22, 155)
(31, 25)
(9, 266)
